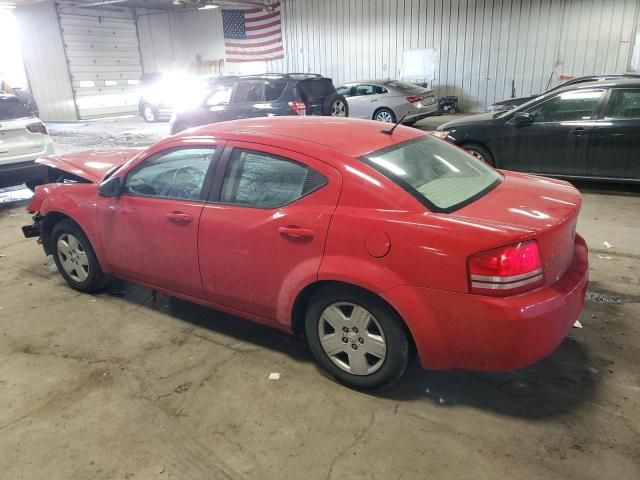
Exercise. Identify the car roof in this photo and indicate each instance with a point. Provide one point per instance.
(613, 82)
(352, 136)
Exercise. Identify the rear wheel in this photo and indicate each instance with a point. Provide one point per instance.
(357, 338)
(480, 152)
(75, 257)
(335, 105)
(385, 115)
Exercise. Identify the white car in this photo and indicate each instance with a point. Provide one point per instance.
(389, 100)
(23, 139)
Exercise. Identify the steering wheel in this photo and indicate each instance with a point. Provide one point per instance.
(183, 188)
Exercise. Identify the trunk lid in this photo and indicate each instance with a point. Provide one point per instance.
(17, 141)
(91, 165)
(537, 207)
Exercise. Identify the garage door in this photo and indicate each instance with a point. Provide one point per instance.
(102, 51)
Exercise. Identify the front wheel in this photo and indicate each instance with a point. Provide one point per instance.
(75, 258)
(149, 113)
(357, 338)
(479, 152)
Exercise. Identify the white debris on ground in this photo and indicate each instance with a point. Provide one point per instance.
(105, 133)
(15, 194)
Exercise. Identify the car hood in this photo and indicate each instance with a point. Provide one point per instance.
(91, 165)
(515, 101)
(480, 118)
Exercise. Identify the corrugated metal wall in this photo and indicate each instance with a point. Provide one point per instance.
(102, 52)
(44, 61)
(483, 45)
(176, 37)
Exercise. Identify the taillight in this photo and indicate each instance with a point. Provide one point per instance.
(506, 270)
(298, 107)
(414, 98)
(37, 128)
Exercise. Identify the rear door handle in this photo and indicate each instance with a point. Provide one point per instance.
(578, 131)
(179, 217)
(296, 232)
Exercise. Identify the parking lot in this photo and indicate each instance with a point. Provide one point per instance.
(127, 384)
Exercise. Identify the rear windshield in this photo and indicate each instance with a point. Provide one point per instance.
(316, 88)
(402, 85)
(12, 108)
(441, 176)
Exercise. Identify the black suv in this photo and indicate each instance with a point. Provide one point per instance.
(265, 96)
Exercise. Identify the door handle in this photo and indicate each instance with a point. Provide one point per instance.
(179, 217)
(294, 231)
(578, 131)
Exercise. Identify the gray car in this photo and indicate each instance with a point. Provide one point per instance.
(389, 100)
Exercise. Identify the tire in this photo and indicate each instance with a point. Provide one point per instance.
(384, 115)
(77, 264)
(149, 113)
(480, 152)
(381, 338)
(335, 105)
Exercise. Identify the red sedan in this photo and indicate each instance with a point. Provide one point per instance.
(374, 244)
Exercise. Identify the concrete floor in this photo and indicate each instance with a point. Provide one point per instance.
(119, 386)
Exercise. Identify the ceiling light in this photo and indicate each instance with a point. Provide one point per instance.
(207, 7)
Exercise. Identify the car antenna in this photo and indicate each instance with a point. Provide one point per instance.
(389, 131)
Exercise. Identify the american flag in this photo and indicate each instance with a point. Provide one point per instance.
(253, 34)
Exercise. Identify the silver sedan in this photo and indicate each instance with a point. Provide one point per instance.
(389, 100)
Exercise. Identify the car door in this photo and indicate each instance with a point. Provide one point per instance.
(262, 234)
(151, 229)
(246, 95)
(364, 101)
(614, 145)
(556, 141)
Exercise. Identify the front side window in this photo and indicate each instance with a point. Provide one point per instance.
(260, 180)
(567, 107)
(177, 174)
(624, 104)
(441, 176)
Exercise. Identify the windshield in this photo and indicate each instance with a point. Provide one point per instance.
(12, 108)
(441, 176)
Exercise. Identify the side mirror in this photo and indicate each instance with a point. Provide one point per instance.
(110, 187)
(522, 118)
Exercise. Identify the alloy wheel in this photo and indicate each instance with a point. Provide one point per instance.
(73, 257)
(149, 114)
(338, 109)
(476, 154)
(352, 338)
(384, 116)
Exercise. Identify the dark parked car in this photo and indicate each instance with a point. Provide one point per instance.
(165, 94)
(265, 96)
(511, 103)
(589, 130)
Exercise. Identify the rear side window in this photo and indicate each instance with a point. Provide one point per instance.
(624, 104)
(260, 180)
(441, 176)
(273, 90)
(567, 107)
(12, 108)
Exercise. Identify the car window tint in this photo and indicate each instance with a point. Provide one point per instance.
(273, 90)
(365, 90)
(12, 108)
(313, 88)
(624, 104)
(176, 174)
(344, 90)
(220, 95)
(264, 181)
(567, 107)
(441, 176)
(377, 89)
(249, 92)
